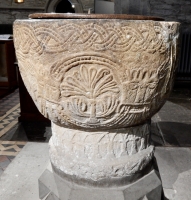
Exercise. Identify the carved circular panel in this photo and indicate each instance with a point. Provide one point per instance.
(90, 94)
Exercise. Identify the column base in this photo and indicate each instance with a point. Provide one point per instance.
(98, 156)
(53, 187)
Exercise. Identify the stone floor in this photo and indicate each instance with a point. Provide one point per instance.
(171, 134)
(172, 124)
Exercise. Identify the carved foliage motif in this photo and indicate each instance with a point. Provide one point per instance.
(93, 73)
(98, 155)
(90, 92)
(102, 145)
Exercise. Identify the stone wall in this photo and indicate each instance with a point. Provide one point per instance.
(173, 10)
(8, 16)
(9, 11)
(170, 10)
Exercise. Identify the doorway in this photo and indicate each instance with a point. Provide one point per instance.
(64, 6)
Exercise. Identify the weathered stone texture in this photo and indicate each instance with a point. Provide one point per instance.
(173, 10)
(27, 3)
(5, 2)
(91, 155)
(9, 16)
(170, 10)
(55, 188)
(94, 79)
(10, 11)
(78, 74)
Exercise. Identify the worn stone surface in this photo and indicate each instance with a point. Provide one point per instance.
(97, 73)
(9, 16)
(152, 189)
(173, 10)
(170, 10)
(101, 155)
(10, 11)
(30, 160)
(98, 76)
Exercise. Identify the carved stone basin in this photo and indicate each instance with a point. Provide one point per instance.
(99, 79)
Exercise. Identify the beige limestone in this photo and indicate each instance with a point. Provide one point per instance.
(99, 155)
(97, 73)
(95, 79)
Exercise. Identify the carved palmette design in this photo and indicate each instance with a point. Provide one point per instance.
(90, 92)
(97, 73)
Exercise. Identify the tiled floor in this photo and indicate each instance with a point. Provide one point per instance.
(9, 119)
(13, 134)
(8, 102)
(11, 148)
(9, 112)
(8, 151)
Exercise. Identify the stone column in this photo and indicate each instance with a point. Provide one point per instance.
(113, 158)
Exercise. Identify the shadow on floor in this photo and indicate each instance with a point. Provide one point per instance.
(8, 102)
(175, 134)
(181, 95)
(29, 131)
